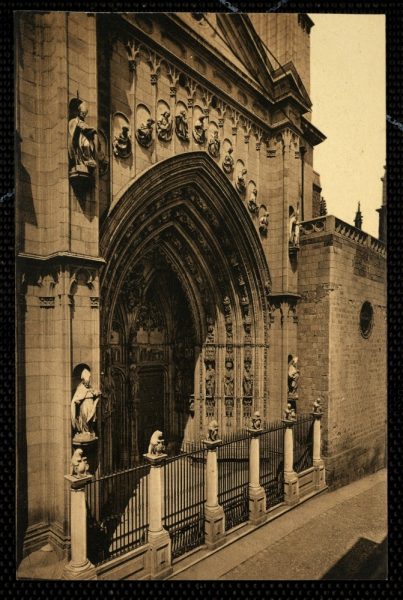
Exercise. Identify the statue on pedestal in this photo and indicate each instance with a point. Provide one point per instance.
(213, 431)
(83, 408)
(210, 379)
(79, 464)
(229, 378)
(156, 445)
(256, 421)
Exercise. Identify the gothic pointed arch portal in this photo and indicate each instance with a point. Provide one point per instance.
(184, 310)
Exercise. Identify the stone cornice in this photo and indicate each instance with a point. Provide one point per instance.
(60, 257)
(312, 133)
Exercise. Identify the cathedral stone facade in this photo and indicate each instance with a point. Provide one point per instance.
(172, 242)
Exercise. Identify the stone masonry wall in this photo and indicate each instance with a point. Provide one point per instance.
(336, 275)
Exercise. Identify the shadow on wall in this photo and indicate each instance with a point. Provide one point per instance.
(365, 560)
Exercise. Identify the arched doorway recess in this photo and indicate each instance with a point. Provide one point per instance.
(184, 310)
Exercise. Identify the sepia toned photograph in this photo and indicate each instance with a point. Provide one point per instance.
(201, 307)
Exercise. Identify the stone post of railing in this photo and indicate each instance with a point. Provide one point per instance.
(79, 567)
(158, 537)
(257, 496)
(214, 513)
(318, 464)
(291, 484)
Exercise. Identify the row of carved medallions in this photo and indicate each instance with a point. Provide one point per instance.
(135, 50)
(122, 147)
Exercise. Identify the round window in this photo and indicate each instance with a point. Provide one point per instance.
(366, 319)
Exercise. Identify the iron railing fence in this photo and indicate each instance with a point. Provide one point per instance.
(117, 519)
(184, 500)
(272, 463)
(303, 443)
(233, 479)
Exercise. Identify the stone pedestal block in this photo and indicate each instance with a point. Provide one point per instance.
(83, 572)
(214, 526)
(291, 489)
(160, 554)
(257, 505)
(319, 478)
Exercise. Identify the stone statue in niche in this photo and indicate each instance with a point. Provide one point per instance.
(79, 465)
(247, 379)
(181, 126)
(199, 132)
(264, 223)
(293, 374)
(256, 421)
(252, 202)
(82, 141)
(229, 378)
(213, 431)
(83, 408)
(144, 134)
(210, 379)
(228, 162)
(294, 228)
(214, 145)
(156, 446)
(164, 127)
(240, 182)
(122, 144)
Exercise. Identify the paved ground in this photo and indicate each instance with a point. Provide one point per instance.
(338, 535)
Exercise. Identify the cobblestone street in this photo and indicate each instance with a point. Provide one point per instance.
(338, 535)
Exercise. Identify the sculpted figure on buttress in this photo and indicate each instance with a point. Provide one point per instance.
(294, 228)
(82, 140)
(83, 408)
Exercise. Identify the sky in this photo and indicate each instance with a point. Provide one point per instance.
(348, 83)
